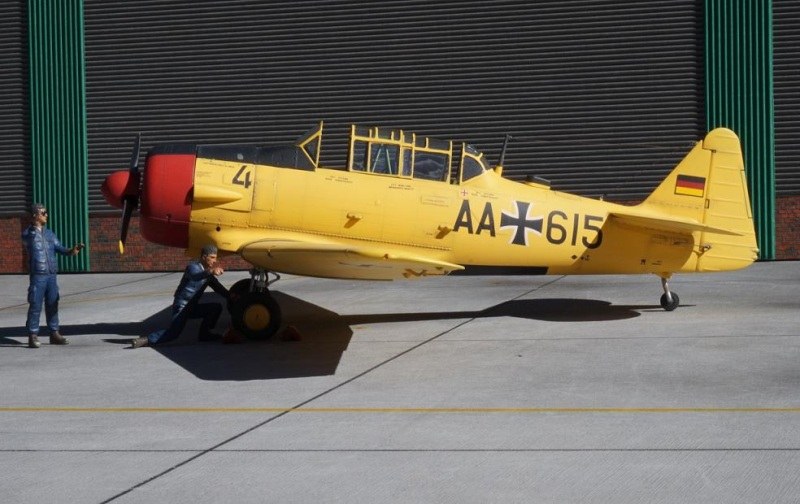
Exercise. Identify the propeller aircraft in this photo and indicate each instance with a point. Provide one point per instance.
(407, 206)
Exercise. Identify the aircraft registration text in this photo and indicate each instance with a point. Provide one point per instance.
(557, 227)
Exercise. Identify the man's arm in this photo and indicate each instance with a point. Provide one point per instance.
(218, 287)
(61, 249)
(195, 271)
(70, 251)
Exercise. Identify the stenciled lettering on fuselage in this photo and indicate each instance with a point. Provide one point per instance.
(558, 227)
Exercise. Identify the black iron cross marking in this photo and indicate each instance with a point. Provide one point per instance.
(522, 222)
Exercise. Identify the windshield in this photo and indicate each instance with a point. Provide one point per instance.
(474, 163)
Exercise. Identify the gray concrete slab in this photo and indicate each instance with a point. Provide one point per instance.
(459, 389)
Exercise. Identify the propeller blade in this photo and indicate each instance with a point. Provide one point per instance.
(130, 201)
(135, 154)
(128, 207)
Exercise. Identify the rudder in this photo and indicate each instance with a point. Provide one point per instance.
(709, 185)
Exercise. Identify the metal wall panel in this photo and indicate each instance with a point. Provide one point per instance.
(14, 125)
(786, 62)
(58, 121)
(602, 97)
(739, 96)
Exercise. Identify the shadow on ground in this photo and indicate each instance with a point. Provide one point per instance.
(325, 335)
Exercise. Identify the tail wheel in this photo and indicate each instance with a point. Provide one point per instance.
(256, 315)
(667, 304)
(669, 300)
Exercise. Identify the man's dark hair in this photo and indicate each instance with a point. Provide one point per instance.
(208, 250)
(36, 208)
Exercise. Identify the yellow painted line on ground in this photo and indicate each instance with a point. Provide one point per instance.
(68, 409)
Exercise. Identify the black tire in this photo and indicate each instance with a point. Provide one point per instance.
(667, 305)
(238, 289)
(256, 315)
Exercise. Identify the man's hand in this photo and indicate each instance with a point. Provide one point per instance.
(76, 248)
(217, 270)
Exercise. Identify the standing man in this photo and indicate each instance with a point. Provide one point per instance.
(42, 245)
(198, 275)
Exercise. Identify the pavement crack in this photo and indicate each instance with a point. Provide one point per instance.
(271, 419)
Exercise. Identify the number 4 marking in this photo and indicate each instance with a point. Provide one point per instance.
(237, 179)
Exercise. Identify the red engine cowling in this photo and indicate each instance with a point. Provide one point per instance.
(166, 202)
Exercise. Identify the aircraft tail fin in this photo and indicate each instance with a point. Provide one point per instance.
(709, 187)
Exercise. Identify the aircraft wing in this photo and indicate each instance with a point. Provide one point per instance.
(660, 222)
(332, 260)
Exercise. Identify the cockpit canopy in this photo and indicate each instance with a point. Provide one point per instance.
(402, 154)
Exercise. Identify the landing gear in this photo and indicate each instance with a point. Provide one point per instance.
(669, 300)
(254, 312)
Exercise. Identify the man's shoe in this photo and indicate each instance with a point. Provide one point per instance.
(232, 336)
(57, 339)
(209, 336)
(290, 333)
(140, 342)
(33, 341)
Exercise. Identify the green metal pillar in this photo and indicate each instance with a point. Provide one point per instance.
(59, 156)
(739, 96)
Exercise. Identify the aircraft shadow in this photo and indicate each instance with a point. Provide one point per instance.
(324, 338)
(325, 335)
(549, 310)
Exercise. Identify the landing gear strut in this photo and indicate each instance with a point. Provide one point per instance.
(254, 312)
(669, 300)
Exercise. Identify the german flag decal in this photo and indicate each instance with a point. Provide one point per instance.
(690, 186)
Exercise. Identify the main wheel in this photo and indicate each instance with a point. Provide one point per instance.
(666, 304)
(256, 315)
(239, 289)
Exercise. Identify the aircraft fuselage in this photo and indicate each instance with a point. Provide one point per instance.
(487, 222)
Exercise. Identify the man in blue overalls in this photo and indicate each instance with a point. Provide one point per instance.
(42, 245)
(198, 275)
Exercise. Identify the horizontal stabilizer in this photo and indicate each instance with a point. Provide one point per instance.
(662, 223)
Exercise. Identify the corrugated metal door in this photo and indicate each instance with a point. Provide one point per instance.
(786, 64)
(14, 149)
(602, 97)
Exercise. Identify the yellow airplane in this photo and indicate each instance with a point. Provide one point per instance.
(408, 206)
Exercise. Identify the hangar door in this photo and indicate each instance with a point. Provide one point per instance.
(601, 97)
(786, 64)
(14, 123)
